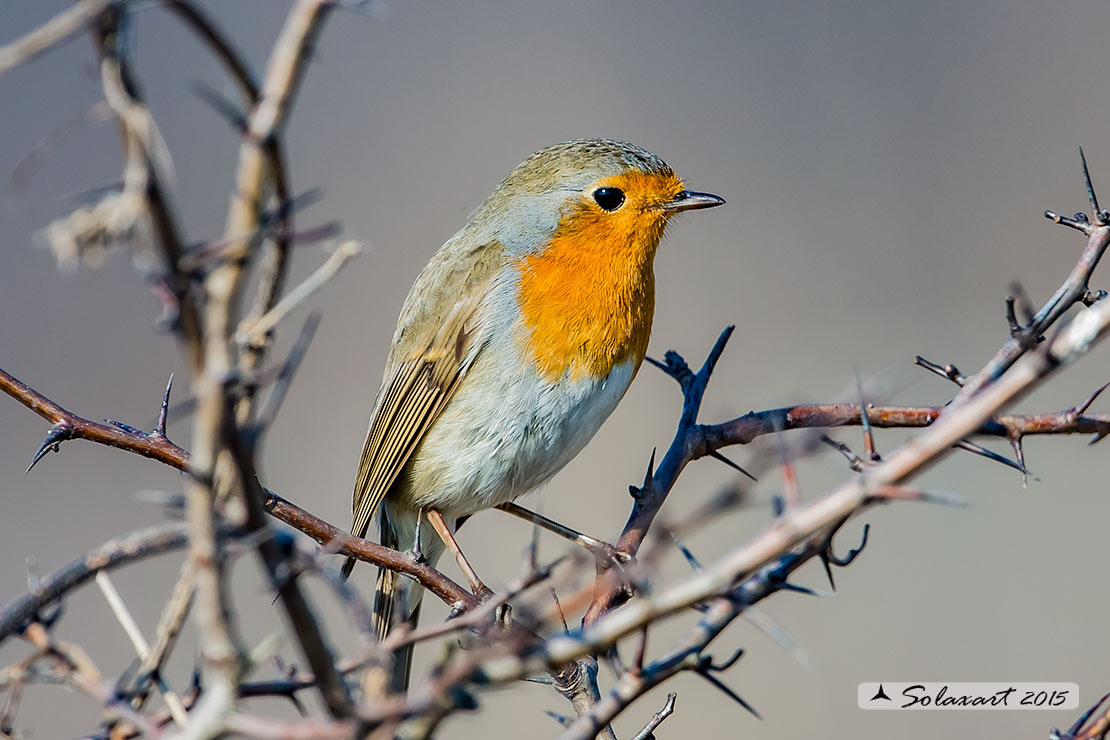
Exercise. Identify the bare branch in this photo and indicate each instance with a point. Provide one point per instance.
(52, 33)
(255, 330)
(121, 551)
(657, 719)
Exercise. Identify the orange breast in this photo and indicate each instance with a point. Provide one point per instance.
(588, 298)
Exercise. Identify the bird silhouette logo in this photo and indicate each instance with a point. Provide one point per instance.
(880, 694)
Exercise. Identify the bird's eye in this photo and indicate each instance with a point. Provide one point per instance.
(610, 199)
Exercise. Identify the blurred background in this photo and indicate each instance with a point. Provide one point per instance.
(886, 165)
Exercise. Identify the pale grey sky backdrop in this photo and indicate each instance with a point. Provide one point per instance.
(886, 165)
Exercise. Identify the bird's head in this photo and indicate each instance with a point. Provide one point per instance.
(593, 193)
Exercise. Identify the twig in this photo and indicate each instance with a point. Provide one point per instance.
(1072, 291)
(254, 330)
(112, 554)
(657, 719)
(67, 426)
(142, 648)
(52, 33)
(147, 166)
(169, 625)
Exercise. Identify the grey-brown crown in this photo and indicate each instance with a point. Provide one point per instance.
(574, 164)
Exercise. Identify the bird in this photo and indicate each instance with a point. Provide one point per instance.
(517, 340)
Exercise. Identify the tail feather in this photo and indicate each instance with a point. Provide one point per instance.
(389, 605)
(348, 566)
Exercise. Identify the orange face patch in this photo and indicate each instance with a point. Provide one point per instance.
(588, 298)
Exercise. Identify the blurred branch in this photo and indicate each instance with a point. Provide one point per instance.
(138, 641)
(146, 166)
(130, 548)
(52, 33)
(276, 258)
(253, 331)
(216, 431)
(648, 730)
(165, 634)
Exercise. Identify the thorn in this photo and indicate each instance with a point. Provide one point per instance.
(779, 579)
(126, 427)
(676, 367)
(778, 633)
(804, 590)
(865, 422)
(563, 721)
(58, 433)
(693, 561)
(638, 492)
(718, 456)
(990, 455)
(1087, 404)
(855, 462)
(641, 651)
(269, 409)
(826, 563)
(225, 108)
(905, 493)
(1011, 317)
(292, 697)
(844, 562)
(729, 663)
(160, 427)
(1019, 453)
(729, 692)
(1024, 305)
(559, 608)
(1096, 439)
(1102, 216)
(715, 353)
(949, 371)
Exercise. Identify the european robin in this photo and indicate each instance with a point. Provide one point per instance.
(516, 342)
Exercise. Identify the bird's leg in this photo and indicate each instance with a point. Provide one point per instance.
(416, 553)
(599, 548)
(444, 532)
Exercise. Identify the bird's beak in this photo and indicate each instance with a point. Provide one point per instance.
(688, 200)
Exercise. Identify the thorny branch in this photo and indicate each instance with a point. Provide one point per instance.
(226, 503)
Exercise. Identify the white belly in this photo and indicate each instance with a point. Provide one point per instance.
(496, 439)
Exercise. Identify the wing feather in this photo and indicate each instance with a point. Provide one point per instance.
(415, 394)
